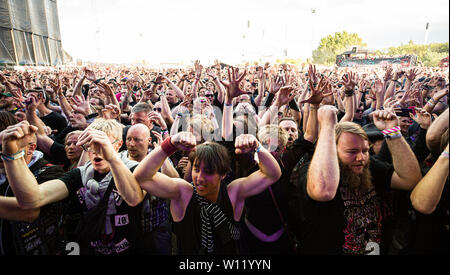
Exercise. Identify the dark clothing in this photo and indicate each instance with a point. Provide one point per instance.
(430, 232)
(347, 223)
(55, 121)
(261, 211)
(123, 222)
(188, 230)
(58, 156)
(61, 135)
(42, 236)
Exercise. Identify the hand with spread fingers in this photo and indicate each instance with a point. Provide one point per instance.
(232, 86)
(422, 117)
(317, 93)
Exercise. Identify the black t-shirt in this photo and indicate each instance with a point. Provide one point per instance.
(344, 224)
(42, 236)
(124, 222)
(55, 121)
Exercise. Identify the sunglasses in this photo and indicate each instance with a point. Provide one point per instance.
(209, 95)
(159, 110)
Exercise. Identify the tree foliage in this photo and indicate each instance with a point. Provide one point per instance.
(330, 46)
(430, 55)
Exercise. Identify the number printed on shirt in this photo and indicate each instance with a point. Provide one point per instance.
(121, 220)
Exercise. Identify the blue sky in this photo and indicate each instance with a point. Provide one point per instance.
(182, 31)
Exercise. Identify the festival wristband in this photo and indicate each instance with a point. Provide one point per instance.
(445, 154)
(392, 133)
(15, 156)
(168, 147)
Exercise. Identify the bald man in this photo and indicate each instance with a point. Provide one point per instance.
(138, 142)
(155, 213)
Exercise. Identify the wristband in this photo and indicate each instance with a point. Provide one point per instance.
(258, 149)
(445, 154)
(391, 130)
(165, 132)
(228, 105)
(392, 133)
(349, 92)
(433, 102)
(168, 147)
(15, 156)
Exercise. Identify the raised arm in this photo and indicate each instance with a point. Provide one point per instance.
(406, 167)
(269, 172)
(160, 185)
(436, 130)
(124, 180)
(29, 194)
(427, 193)
(323, 172)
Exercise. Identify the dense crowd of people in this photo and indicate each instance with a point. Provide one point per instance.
(221, 160)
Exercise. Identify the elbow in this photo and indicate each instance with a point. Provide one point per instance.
(321, 192)
(31, 215)
(27, 205)
(422, 206)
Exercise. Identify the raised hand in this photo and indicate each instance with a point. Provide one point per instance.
(276, 84)
(232, 86)
(110, 111)
(422, 117)
(385, 119)
(159, 139)
(184, 141)
(17, 137)
(350, 81)
(245, 144)
(95, 141)
(411, 74)
(327, 115)
(157, 119)
(317, 93)
(81, 105)
(89, 74)
(285, 96)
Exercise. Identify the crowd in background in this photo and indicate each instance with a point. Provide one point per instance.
(221, 159)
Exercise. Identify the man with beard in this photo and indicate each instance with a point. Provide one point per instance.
(339, 191)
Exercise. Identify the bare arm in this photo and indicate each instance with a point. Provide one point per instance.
(323, 173)
(10, 210)
(407, 170)
(427, 193)
(434, 133)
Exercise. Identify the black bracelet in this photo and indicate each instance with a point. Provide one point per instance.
(349, 92)
(93, 115)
